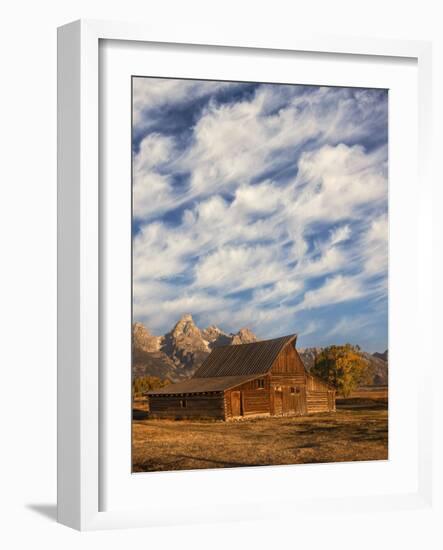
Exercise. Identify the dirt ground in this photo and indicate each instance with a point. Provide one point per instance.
(357, 431)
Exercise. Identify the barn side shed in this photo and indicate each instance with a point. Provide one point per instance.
(265, 378)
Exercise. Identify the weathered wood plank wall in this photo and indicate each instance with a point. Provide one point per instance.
(209, 406)
(288, 362)
(254, 399)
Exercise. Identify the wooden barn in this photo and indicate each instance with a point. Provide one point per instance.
(257, 379)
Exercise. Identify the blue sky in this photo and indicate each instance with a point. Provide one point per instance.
(261, 206)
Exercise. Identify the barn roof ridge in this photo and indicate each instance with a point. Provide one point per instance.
(253, 358)
(291, 336)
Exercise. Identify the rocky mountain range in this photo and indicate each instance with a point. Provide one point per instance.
(178, 353)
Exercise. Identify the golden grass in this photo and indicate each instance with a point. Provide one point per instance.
(352, 433)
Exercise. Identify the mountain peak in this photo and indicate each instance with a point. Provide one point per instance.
(185, 347)
(138, 326)
(142, 339)
(244, 336)
(185, 340)
(187, 317)
(215, 336)
(186, 326)
(213, 328)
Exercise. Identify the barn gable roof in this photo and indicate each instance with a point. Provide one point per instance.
(243, 359)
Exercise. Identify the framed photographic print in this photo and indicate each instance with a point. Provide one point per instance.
(238, 228)
(259, 211)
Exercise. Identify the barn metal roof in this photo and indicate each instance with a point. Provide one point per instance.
(198, 385)
(243, 359)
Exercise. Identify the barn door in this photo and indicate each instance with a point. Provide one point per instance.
(278, 402)
(236, 407)
(288, 400)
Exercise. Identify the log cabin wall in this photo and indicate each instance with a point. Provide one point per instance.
(210, 405)
(319, 396)
(331, 400)
(288, 362)
(315, 384)
(317, 401)
(293, 391)
(288, 384)
(248, 399)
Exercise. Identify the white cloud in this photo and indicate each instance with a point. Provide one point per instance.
(280, 291)
(245, 227)
(336, 182)
(348, 327)
(156, 255)
(155, 150)
(164, 310)
(150, 94)
(339, 288)
(330, 261)
(262, 198)
(375, 246)
(234, 143)
(340, 234)
(220, 238)
(151, 194)
(310, 327)
(239, 268)
(152, 191)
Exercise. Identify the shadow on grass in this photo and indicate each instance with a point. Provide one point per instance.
(139, 414)
(305, 446)
(361, 404)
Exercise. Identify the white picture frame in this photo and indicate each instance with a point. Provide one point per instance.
(79, 270)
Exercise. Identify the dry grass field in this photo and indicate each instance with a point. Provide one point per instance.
(357, 431)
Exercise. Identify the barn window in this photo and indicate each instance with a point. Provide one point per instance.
(292, 390)
(183, 403)
(260, 384)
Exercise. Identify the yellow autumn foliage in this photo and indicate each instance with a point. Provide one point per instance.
(342, 367)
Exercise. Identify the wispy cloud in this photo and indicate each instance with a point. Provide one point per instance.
(259, 205)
